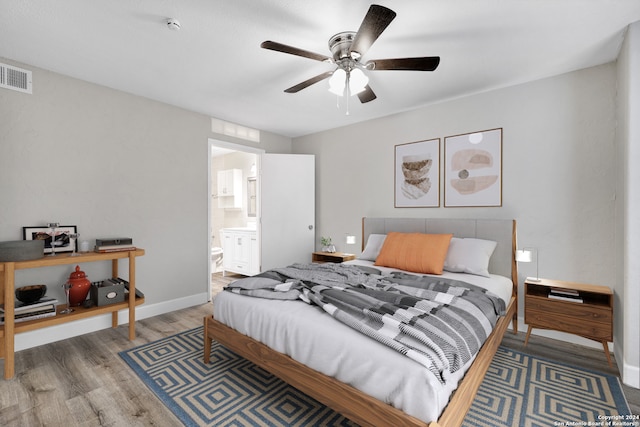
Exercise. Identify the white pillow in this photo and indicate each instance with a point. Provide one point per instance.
(372, 249)
(469, 256)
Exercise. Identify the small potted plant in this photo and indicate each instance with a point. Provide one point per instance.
(327, 246)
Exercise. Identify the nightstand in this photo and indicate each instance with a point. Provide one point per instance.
(337, 257)
(576, 308)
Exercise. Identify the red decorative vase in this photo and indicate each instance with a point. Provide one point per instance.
(80, 287)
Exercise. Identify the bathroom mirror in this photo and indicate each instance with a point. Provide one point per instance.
(251, 196)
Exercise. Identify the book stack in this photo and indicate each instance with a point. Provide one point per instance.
(45, 307)
(565, 294)
(114, 245)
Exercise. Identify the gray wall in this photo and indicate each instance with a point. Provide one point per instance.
(559, 170)
(113, 164)
(627, 317)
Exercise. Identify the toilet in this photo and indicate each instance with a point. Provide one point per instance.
(216, 259)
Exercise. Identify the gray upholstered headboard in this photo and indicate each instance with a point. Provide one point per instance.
(501, 231)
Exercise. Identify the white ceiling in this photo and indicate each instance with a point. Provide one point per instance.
(214, 64)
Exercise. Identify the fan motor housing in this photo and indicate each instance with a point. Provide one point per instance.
(340, 44)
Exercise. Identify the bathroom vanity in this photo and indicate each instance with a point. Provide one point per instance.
(241, 251)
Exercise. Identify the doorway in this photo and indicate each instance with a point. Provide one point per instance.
(233, 200)
(282, 226)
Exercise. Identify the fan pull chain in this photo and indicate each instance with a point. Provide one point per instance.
(347, 90)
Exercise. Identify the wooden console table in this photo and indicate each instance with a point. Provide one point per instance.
(7, 286)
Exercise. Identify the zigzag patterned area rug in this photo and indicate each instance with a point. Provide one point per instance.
(518, 390)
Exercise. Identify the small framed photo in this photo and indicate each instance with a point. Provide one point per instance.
(60, 239)
(473, 169)
(417, 174)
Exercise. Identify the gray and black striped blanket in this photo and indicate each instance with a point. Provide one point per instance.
(440, 323)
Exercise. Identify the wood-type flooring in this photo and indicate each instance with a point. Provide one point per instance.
(82, 381)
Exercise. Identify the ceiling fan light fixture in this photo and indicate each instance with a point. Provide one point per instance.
(347, 49)
(337, 82)
(357, 81)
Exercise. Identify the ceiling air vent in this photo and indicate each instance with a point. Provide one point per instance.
(15, 78)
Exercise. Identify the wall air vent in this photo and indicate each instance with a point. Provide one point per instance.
(15, 78)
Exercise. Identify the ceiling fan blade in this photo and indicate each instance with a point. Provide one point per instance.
(279, 47)
(427, 63)
(366, 95)
(309, 82)
(375, 22)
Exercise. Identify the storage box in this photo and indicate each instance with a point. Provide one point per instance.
(107, 292)
(120, 241)
(21, 250)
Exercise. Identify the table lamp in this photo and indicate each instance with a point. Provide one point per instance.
(350, 239)
(527, 255)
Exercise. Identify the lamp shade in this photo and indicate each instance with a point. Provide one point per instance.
(357, 81)
(337, 82)
(523, 255)
(528, 255)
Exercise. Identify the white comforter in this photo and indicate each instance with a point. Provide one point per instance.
(337, 351)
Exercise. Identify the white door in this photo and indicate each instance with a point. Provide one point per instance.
(287, 209)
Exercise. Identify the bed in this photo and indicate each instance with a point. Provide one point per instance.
(272, 334)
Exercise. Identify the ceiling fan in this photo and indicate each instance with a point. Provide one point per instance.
(347, 49)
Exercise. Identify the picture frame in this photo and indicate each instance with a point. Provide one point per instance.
(417, 174)
(473, 169)
(63, 243)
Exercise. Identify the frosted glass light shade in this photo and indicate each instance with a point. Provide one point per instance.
(357, 81)
(337, 82)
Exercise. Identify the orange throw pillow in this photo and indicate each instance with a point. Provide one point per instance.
(416, 252)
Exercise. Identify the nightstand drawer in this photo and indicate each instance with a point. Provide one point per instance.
(578, 311)
(571, 324)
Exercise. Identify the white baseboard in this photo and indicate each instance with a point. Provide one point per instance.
(630, 375)
(51, 334)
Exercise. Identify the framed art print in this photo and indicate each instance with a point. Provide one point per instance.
(417, 174)
(473, 169)
(61, 238)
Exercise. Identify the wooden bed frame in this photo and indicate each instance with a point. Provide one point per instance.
(350, 402)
